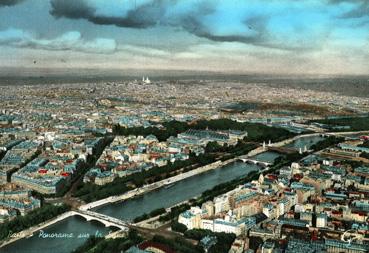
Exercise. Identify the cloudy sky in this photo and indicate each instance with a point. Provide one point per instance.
(267, 36)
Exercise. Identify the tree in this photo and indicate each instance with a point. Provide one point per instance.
(212, 146)
(365, 155)
(179, 227)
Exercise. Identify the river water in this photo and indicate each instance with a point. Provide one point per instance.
(305, 141)
(71, 232)
(128, 210)
(270, 156)
(179, 192)
(267, 156)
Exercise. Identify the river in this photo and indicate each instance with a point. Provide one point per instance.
(267, 156)
(179, 192)
(270, 156)
(128, 210)
(305, 141)
(66, 243)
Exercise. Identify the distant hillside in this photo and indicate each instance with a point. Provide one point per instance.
(344, 85)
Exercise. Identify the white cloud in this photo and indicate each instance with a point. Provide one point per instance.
(141, 50)
(69, 41)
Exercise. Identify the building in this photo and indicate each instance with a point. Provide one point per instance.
(307, 216)
(7, 214)
(267, 247)
(321, 220)
(208, 208)
(191, 218)
(229, 226)
(14, 197)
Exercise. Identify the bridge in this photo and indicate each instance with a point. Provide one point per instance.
(108, 221)
(246, 159)
(280, 147)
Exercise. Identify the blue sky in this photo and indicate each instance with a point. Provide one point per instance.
(247, 36)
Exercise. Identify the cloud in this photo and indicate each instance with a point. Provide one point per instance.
(214, 20)
(13, 36)
(151, 13)
(144, 51)
(69, 41)
(145, 15)
(9, 2)
(359, 8)
(360, 11)
(254, 28)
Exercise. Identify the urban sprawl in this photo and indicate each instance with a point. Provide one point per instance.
(72, 147)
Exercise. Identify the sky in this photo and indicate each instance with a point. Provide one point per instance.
(231, 36)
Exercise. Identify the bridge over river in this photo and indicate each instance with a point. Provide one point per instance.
(108, 221)
(246, 159)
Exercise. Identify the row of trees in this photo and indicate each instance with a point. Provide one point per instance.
(174, 212)
(355, 123)
(327, 142)
(171, 128)
(153, 213)
(244, 147)
(256, 131)
(224, 240)
(179, 244)
(91, 192)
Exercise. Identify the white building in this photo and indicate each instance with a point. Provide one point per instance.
(208, 208)
(221, 204)
(269, 210)
(207, 224)
(234, 227)
(321, 220)
(191, 218)
(146, 81)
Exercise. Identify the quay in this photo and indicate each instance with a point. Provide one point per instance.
(156, 185)
(108, 221)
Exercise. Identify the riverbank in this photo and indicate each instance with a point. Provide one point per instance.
(156, 185)
(135, 206)
(30, 231)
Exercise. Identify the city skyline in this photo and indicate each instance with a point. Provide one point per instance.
(282, 37)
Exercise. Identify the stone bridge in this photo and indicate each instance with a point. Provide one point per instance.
(253, 161)
(108, 221)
